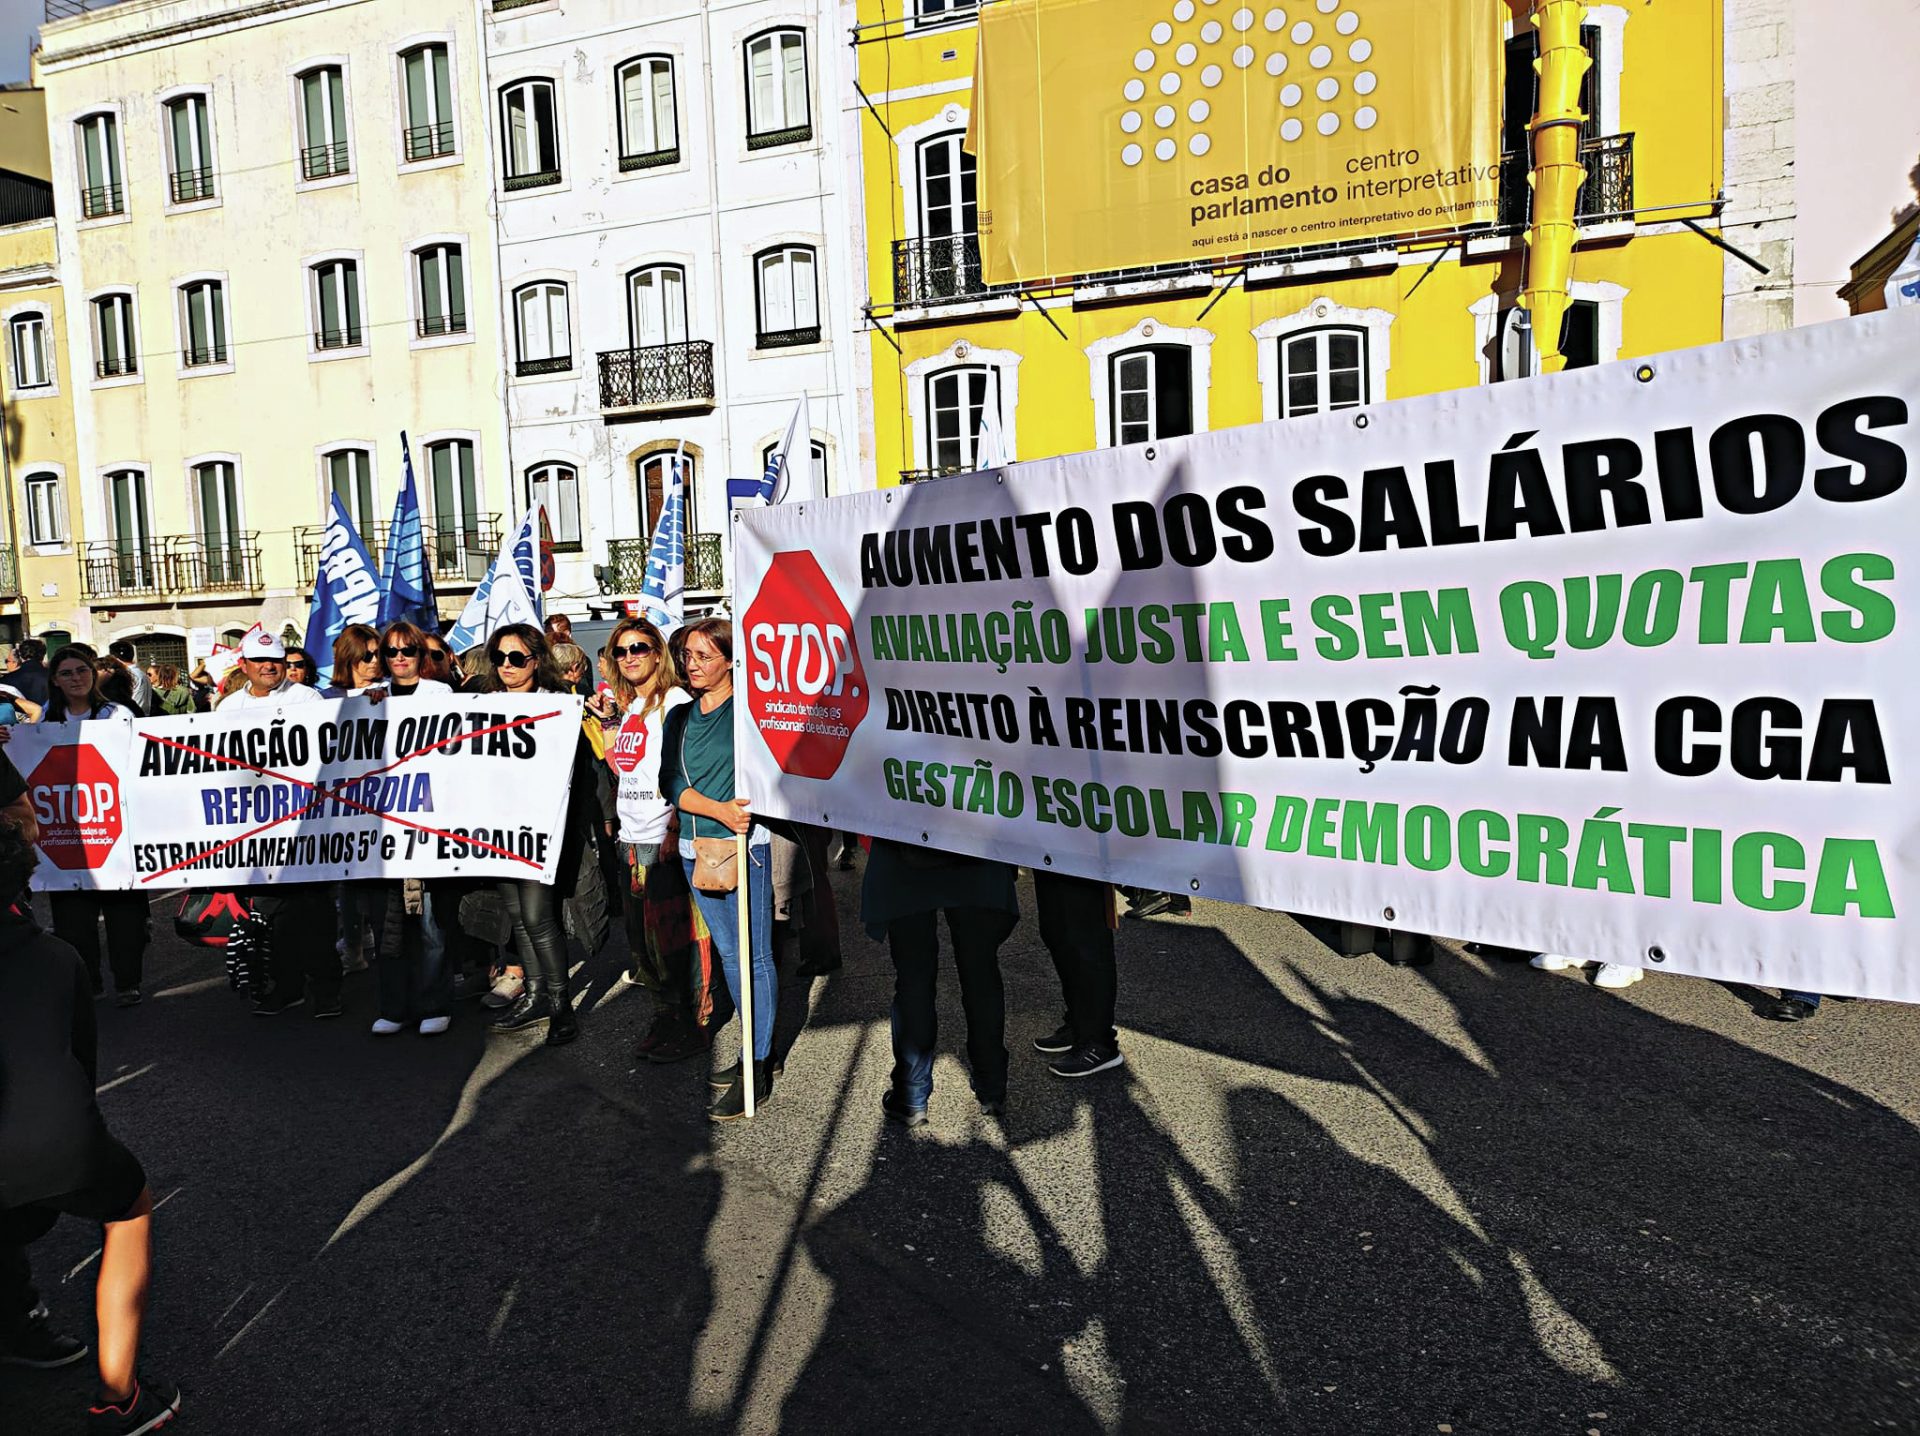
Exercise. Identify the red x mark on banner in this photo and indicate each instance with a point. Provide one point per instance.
(337, 794)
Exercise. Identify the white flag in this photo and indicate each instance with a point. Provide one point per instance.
(509, 592)
(1904, 287)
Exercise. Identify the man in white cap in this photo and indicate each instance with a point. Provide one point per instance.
(263, 658)
(299, 916)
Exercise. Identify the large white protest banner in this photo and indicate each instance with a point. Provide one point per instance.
(342, 790)
(1605, 664)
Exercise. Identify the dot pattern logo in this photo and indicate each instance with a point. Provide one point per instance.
(1314, 50)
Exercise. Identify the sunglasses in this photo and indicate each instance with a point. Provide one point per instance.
(634, 650)
(298, 663)
(409, 650)
(509, 660)
(367, 658)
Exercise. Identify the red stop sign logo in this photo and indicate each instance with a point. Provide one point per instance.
(630, 745)
(76, 799)
(806, 685)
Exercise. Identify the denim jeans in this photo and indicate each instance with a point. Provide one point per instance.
(416, 982)
(914, 942)
(721, 913)
(1812, 999)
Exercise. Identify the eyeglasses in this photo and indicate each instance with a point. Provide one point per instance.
(634, 650)
(509, 660)
(408, 650)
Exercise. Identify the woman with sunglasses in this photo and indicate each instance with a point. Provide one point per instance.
(661, 928)
(301, 668)
(356, 661)
(696, 773)
(521, 663)
(438, 664)
(75, 696)
(403, 648)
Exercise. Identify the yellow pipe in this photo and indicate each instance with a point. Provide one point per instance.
(1557, 173)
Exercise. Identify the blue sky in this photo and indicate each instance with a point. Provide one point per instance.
(18, 20)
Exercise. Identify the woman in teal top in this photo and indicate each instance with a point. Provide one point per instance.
(696, 775)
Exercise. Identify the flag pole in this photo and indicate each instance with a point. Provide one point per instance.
(743, 923)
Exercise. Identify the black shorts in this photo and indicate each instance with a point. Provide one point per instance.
(114, 1180)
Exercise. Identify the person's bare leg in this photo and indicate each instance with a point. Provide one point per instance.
(120, 1297)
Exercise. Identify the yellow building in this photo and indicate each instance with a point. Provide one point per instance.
(276, 244)
(1076, 362)
(39, 572)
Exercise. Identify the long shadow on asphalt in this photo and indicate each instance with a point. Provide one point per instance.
(1303, 1212)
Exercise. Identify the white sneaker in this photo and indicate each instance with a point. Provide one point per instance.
(383, 1028)
(1554, 962)
(434, 1026)
(1617, 974)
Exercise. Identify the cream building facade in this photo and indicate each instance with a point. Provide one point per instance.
(276, 252)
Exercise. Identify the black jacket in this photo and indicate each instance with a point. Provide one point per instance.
(49, 1123)
(31, 681)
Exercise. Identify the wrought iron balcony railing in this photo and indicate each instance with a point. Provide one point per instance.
(651, 160)
(787, 338)
(1607, 193)
(555, 364)
(176, 565)
(310, 539)
(432, 326)
(461, 549)
(324, 161)
(116, 367)
(773, 139)
(429, 142)
(349, 338)
(920, 476)
(9, 573)
(942, 269)
(186, 186)
(99, 201)
(535, 180)
(627, 564)
(194, 357)
(659, 377)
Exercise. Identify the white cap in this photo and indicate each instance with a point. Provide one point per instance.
(263, 645)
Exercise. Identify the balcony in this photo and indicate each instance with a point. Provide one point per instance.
(651, 160)
(310, 539)
(660, 379)
(99, 201)
(179, 566)
(188, 186)
(429, 142)
(1607, 193)
(199, 357)
(116, 367)
(438, 326)
(324, 161)
(348, 338)
(920, 476)
(627, 564)
(9, 574)
(944, 269)
(460, 552)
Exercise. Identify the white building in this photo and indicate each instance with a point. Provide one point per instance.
(677, 264)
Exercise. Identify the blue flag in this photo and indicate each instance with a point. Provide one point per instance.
(510, 592)
(663, 591)
(346, 589)
(406, 578)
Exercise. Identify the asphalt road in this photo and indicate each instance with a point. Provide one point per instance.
(1325, 1196)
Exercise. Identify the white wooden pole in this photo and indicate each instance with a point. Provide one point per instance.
(743, 924)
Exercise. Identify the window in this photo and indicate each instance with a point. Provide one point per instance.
(649, 134)
(46, 511)
(216, 493)
(429, 101)
(99, 145)
(530, 132)
(651, 475)
(789, 302)
(203, 323)
(777, 111)
(115, 352)
(930, 11)
(132, 524)
(350, 479)
(1518, 356)
(657, 305)
(189, 150)
(556, 488)
(27, 338)
(440, 273)
(456, 504)
(336, 304)
(948, 187)
(541, 337)
(1152, 391)
(1322, 370)
(817, 452)
(323, 123)
(956, 401)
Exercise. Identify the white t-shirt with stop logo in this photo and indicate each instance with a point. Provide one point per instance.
(634, 751)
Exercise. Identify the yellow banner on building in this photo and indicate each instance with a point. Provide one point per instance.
(1116, 133)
